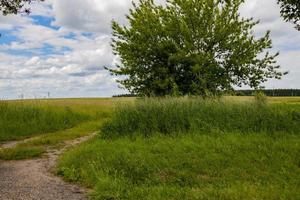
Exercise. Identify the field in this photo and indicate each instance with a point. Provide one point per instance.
(193, 149)
(228, 166)
(48, 123)
(169, 149)
(18, 121)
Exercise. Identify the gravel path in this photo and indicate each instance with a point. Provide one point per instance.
(33, 180)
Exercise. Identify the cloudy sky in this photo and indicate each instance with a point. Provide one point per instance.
(63, 46)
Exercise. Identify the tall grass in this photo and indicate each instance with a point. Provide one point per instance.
(19, 120)
(173, 116)
(196, 166)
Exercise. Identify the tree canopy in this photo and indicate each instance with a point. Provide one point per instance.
(290, 10)
(191, 47)
(15, 6)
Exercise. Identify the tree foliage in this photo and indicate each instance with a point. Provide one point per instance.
(190, 47)
(15, 6)
(290, 10)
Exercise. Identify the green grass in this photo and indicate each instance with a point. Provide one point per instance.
(192, 149)
(211, 166)
(21, 152)
(18, 121)
(173, 149)
(183, 115)
(91, 112)
(37, 146)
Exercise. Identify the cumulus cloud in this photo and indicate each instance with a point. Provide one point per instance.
(62, 47)
(89, 15)
(268, 13)
(77, 72)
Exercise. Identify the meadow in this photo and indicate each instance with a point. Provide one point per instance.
(18, 121)
(44, 124)
(172, 148)
(189, 148)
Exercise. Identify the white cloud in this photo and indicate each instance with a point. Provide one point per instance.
(11, 21)
(89, 15)
(285, 39)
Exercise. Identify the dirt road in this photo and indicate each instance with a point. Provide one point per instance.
(33, 180)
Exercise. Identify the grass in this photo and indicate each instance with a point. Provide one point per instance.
(191, 149)
(18, 121)
(21, 152)
(175, 149)
(92, 113)
(183, 115)
(212, 166)
(37, 146)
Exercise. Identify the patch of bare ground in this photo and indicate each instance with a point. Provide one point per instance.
(33, 179)
(12, 144)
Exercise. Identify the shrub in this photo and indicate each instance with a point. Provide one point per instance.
(260, 98)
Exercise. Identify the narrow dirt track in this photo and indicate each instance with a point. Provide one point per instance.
(33, 180)
(12, 144)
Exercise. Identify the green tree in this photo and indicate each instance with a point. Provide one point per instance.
(15, 6)
(195, 47)
(290, 11)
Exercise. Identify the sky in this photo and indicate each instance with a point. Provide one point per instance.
(62, 47)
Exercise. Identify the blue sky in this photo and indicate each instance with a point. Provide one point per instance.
(62, 47)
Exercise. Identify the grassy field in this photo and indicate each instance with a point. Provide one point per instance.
(18, 121)
(24, 119)
(37, 146)
(177, 116)
(231, 148)
(48, 123)
(214, 166)
(235, 148)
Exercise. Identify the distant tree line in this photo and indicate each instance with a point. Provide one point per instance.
(124, 95)
(270, 92)
(275, 92)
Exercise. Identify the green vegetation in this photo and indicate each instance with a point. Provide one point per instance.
(271, 93)
(173, 148)
(16, 7)
(31, 116)
(21, 152)
(36, 147)
(194, 149)
(212, 166)
(191, 48)
(18, 120)
(290, 11)
(183, 115)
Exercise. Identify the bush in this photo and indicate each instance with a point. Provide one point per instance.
(260, 98)
(171, 116)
